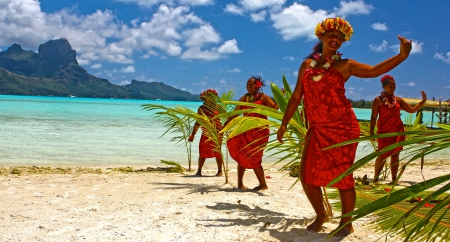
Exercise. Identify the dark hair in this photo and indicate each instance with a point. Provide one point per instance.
(316, 49)
(257, 79)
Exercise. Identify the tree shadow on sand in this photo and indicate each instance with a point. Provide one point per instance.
(279, 225)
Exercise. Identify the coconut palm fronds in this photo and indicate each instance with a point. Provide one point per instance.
(177, 168)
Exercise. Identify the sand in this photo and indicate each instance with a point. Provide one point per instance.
(159, 206)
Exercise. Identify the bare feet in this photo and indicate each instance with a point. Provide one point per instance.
(260, 187)
(242, 187)
(344, 232)
(317, 224)
(219, 173)
(198, 174)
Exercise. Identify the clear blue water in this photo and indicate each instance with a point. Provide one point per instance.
(59, 131)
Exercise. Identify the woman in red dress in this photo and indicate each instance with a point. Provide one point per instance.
(331, 120)
(387, 108)
(207, 148)
(247, 148)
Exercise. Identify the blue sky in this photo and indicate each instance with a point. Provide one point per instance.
(198, 44)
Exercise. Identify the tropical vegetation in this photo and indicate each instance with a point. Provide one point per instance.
(415, 213)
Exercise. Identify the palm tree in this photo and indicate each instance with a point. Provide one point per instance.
(179, 120)
(296, 130)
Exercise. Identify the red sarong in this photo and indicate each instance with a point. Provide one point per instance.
(331, 121)
(242, 150)
(389, 122)
(206, 146)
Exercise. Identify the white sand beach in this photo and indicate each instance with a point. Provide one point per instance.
(159, 206)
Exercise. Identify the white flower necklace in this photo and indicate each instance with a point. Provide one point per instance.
(318, 74)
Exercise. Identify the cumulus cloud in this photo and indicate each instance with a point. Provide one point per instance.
(229, 47)
(100, 36)
(128, 69)
(124, 83)
(291, 58)
(258, 17)
(379, 26)
(96, 66)
(299, 20)
(234, 9)
(353, 8)
(416, 47)
(445, 58)
(409, 84)
(149, 3)
(379, 48)
(235, 70)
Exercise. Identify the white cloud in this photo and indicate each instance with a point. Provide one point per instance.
(291, 58)
(409, 84)
(200, 36)
(258, 17)
(229, 47)
(100, 36)
(223, 82)
(254, 5)
(234, 9)
(353, 8)
(128, 69)
(379, 26)
(96, 66)
(447, 87)
(235, 70)
(380, 48)
(149, 3)
(124, 83)
(416, 47)
(350, 90)
(299, 20)
(445, 58)
(196, 53)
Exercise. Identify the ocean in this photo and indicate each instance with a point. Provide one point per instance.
(71, 131)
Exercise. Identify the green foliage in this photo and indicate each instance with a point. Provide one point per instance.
(176, 167)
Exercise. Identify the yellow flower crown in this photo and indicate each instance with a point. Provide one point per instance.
(334, 23)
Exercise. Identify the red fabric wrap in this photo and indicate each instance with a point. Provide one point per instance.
(389, 122)
(331, 121)
(247, 155)
(206, 146)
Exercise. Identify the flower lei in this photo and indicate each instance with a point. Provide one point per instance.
(207, 93)
(253, 98)
(328, 64)
(334, 23)
(388, 101)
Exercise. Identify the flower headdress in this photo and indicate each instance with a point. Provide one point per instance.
(387, 77)
(207, 93)
(334, 23)
(258, 81)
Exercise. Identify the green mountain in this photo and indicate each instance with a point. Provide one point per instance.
(54, 71)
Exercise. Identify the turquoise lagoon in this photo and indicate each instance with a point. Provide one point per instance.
(71, 131)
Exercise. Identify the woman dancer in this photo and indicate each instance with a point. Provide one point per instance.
(320, 83)
(387, 108)
(207, 148)
(247, 148)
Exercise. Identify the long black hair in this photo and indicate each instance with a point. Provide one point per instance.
(316, 49)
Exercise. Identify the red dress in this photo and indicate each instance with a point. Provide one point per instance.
(206, 146)
(389, 122)
(331, 121)
(249, 156)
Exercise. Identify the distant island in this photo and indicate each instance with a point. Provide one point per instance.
(54, 71)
